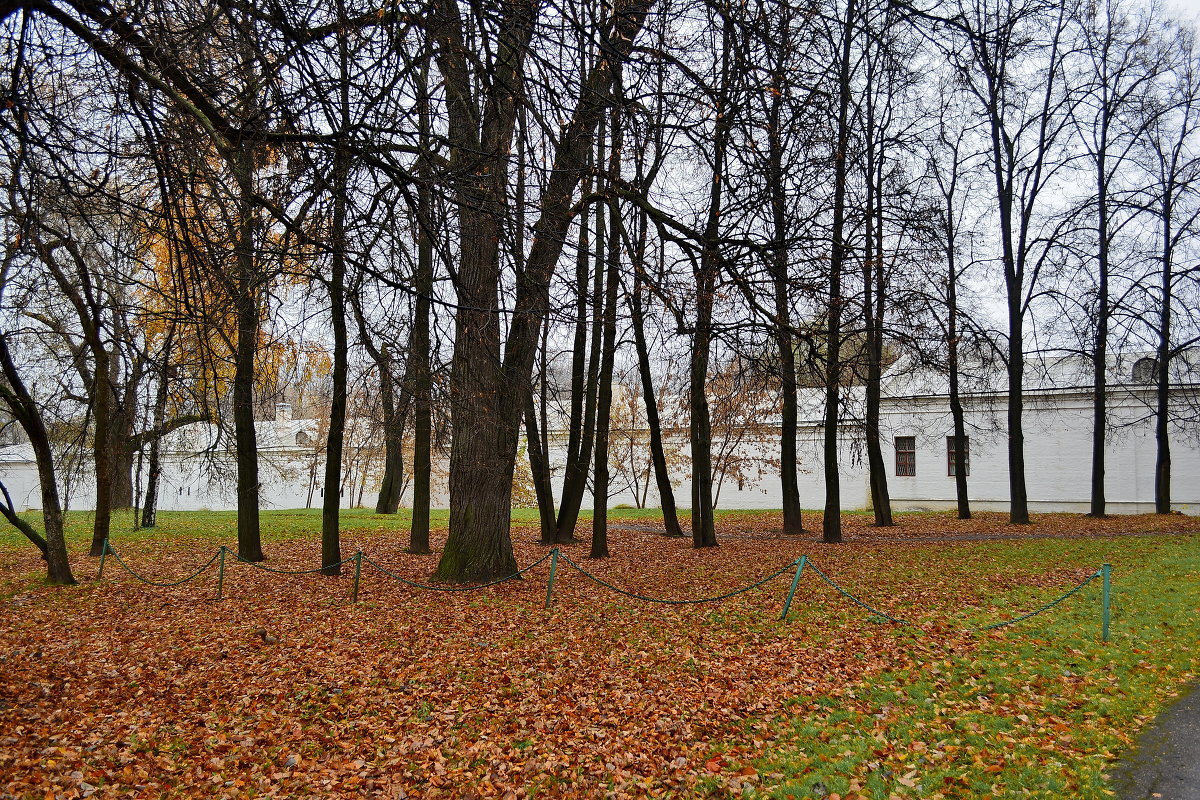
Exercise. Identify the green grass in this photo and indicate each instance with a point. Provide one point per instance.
(1037, 710)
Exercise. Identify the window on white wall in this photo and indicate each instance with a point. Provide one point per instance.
(906, 456)
(952, 456)
(1145, 370)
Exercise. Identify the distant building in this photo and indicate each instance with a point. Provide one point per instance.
(916, 429)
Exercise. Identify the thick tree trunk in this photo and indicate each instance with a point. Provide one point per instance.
(124, 454)
(125, 444)
(486, 392)
(482, 456)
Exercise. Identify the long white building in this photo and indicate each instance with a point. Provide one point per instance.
(916, 430)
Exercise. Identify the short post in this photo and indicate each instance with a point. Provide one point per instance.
(553, 570)
(221, 573)
(357, 573)
(103, 555)
(1106, 571)
(787, 604)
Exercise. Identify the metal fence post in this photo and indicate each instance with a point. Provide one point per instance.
(1107, 572)
(221, 574)
(787, 604)
(553, 570)
(103, 555)
(357, 573)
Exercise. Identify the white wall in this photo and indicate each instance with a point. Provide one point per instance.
(1057, 448)
(1058, 454)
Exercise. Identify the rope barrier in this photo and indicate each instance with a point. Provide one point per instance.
(555, 554)
(854, 599)
(637, 596)
(1044, 608)
(163, 584)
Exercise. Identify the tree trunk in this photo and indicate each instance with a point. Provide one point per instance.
(600, 476)
(124, 454)
(832, 517)
(394, 415)
(704, 532)
(483, 451)
(540, 470)
(575, 472)
(874, 287)
(102, 447)
(1100, 350)
(419, 368)
(793, 521)
(245, 437)
(658, 455)
(16, 396)
(1018, 497)
(331, 536)
(962, 455)
(1162, 459)
(575, 478)
(154, 466)
(486, 392)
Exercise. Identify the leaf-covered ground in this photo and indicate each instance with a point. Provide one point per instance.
(115, 688)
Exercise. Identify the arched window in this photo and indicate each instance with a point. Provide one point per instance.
(303, 439)
(1145, 370)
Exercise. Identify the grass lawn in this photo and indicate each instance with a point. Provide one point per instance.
(118, 689)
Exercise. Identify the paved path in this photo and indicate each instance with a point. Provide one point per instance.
(1165, 761)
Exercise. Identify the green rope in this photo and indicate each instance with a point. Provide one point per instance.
(164, 584)
(472, 588)
(1037, 611)
(359, 558)
(637, 596)
(854, 599)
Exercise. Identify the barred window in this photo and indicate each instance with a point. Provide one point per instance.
(906, 456)
(952, 456)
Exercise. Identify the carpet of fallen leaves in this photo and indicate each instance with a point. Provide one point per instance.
(115, 688)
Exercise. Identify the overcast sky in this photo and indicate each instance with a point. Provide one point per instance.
(1188, 9)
